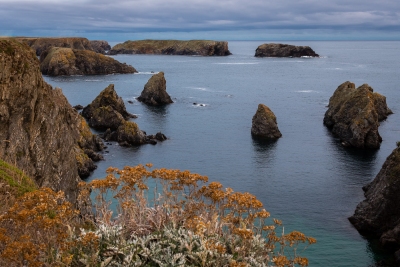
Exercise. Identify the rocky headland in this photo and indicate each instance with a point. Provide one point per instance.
(41, 44)
(99, 46)
(378, 215)
(58, 61)
(284, 50)
(354, 115)
(107, 112)
(172, 47)
(41, 133)
(155, 91)
(264, 124)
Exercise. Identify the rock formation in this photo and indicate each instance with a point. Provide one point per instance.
(66, 61)
(284, 50)
(354, 114)
(264, 124)
(41, 133)
(172, 47)
(155, 91)
(100, 46)
(42, 44)
(379, 214)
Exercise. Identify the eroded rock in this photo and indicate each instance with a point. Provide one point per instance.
(99, 46)
(354, 114)
(155, 91)
(42, 44)
(284, 50)
(264, 124)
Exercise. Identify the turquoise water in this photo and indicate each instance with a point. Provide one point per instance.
(306, 178)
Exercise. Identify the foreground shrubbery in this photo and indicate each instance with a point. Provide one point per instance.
(180, 221)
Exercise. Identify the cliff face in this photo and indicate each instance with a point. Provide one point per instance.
(284, 50)
(100, 46)
(42, 44)
(58, 61)
(379, 214)
(172, 47)
(354, 114)
(41, 133)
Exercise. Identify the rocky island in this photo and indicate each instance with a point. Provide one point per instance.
(354, 115)
(264, 124)
(155, 91)
(284, 50)
(58, 61)
(34, 116)
(378, 215)
(172, 47)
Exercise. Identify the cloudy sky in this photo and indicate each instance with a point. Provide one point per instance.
(118, 20)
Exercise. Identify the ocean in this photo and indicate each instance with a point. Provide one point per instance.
(306, 178)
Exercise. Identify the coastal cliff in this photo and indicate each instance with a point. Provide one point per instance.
(42, 44)
(284, 50)
(172, 47)
(354, 115)
(41, 133)
(379, 214)
(58, 61)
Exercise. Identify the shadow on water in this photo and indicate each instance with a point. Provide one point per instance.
(264, 148)
(381, 256)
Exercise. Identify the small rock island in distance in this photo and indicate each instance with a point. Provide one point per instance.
(284, 50)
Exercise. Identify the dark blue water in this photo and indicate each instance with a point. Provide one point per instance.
(306, 178)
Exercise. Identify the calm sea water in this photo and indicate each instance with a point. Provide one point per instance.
(306, 178)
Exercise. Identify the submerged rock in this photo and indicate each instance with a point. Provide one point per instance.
(155, 91)
(379, 214)
(354, 114)
(107, 110)
(100, 46)
(284, 50)
(172, 47)
(264, 124)
(58, 61)
(41, 133)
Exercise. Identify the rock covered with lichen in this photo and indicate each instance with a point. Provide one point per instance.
(173, 47)
(58, 61)
(379, 214)
(264, 124)
(41, 133)
(155, 91)
(354, 114)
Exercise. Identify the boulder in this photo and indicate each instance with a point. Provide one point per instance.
(379, 214)
(172, 47)
(155, 91)
(42, 44)
(41, 133)
(100, 46)
(284, 50)
(354, 114)
(128, 134)
(58, 61)
(264, 124)
(107, 110)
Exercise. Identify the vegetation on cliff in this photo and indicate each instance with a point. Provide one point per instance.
(183, 221)
(172, 47)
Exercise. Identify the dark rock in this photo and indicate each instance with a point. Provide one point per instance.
(100, 46)
(264, 124)
(130, 101)
(128, 134)
(155, 91)
(379, 214)
(78, 107)
(160, 136)
(284, 50)
(172, 47)
(107, 110)
(42, 44)
(58, 61)
(40, 131)
(354, 114)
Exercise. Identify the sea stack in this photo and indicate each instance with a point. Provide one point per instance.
(155, 91)
(284, 50)
(379, 214)
(264, 124)
(354, 115)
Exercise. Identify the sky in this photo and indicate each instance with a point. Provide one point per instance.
(119, 20)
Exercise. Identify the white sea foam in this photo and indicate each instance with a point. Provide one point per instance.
(147, 72)
(92, 80)
(306, 91)
(237, 63)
